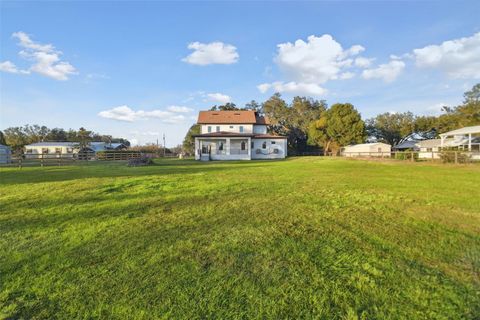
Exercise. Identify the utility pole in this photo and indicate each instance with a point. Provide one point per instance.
(164, 146)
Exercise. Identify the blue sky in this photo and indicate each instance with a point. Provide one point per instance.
(141, 69)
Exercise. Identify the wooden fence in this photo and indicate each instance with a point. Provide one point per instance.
(59, 159)
(414, 156)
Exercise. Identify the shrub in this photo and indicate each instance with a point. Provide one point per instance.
(406, 155)
(448, 156)
(141, 161)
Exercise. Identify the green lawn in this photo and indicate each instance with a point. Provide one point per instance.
(301, 238)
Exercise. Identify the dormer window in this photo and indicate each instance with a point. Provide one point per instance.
(240, 129)
(218, 128)
(209, 129)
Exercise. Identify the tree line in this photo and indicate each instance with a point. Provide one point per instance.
(17, 137)
(311, 124)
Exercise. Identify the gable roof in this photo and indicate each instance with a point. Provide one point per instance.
(407, 144)
(52, 144)
(230, 117)
(461, 131)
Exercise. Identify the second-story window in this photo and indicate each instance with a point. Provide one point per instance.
(209, 129)
(240, 128)
(218, 128)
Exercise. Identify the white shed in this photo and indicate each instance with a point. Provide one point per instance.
(376, 149)
(5, 154)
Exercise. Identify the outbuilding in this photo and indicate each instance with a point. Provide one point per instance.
(376, 149)
(5, 154)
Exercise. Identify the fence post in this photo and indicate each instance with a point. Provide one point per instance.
(41, 160)
(456, 157)
(411, 154)
(20, 162)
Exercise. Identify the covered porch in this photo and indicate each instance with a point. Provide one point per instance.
(217, 148)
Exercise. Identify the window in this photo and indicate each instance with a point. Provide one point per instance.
(379, 150)
(264, 145)
(44, 150)
(231, 127)
(242, 145)
(29, 150)
(272, 142)
(58, 150)
(220, 146)
(218, 128)
(429, 149)
(240, 128)
(252, 145)
(209, 129)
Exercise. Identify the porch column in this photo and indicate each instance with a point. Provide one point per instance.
(228, 147)
(249, 147)
(196, 148)
(469, 142)
(442, 139)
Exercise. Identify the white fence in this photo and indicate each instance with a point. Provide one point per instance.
(440, 156)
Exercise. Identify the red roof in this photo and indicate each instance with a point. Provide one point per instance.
(227, 117)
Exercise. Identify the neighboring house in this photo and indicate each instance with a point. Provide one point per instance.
(429, 149)
(376, 149)
(67, 149)
(236, 135)
(467, 138)
(409, 145)
(5, 154)
(51, 149)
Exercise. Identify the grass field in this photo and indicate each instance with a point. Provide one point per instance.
(300, 238)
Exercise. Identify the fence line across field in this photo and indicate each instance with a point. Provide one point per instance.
(59, 159)
(443, 156)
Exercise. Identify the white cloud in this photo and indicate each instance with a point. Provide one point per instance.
(27, 43)
(211, 53)
(125, 113)
(264, 87)
(346, 75)
(46, 60)
(363, 62)
(179, 109)
(219, 97)
(458, 58)
(10, 67)
(309, 64)
(316, 61)
(388, 72)
(293, 87)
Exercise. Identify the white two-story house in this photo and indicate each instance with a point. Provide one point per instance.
(236, 135)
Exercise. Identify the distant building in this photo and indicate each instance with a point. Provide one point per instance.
(375, 149)
(236, 135)
(467, 138)
(410, 145)
(68, 149)
(5, 154)
(51, 149)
